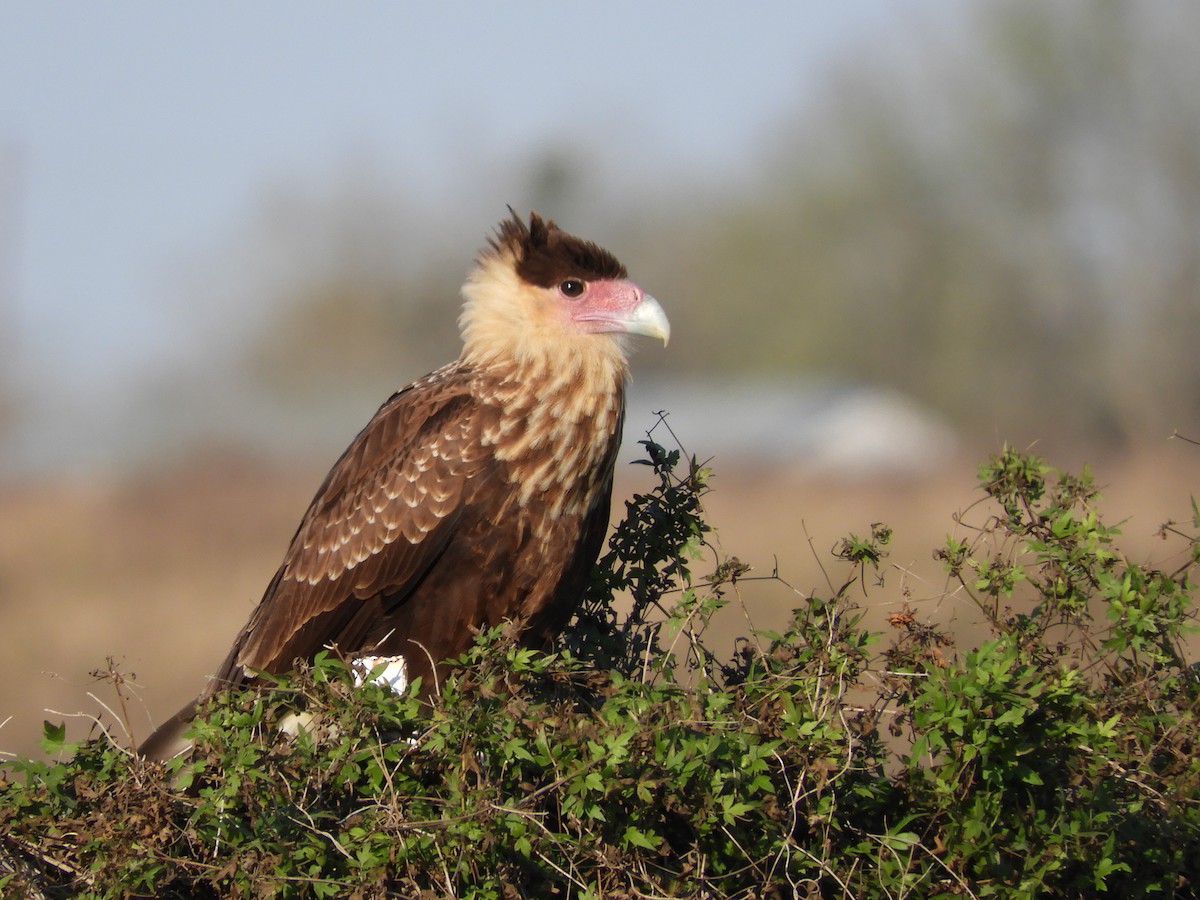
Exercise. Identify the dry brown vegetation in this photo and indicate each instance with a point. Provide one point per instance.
(159, 570)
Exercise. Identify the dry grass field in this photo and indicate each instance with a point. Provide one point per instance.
(159, 571)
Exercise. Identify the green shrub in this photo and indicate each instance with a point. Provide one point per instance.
(1057, 758)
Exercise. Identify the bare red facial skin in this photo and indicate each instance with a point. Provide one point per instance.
(611, 306)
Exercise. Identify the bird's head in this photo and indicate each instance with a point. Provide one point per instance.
(538, 292)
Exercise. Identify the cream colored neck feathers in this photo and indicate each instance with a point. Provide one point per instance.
(506, 322)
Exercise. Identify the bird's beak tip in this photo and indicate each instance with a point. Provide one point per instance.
(650, 320)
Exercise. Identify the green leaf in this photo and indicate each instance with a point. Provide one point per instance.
(633, 836)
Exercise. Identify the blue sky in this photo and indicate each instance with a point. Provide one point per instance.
(135, 137)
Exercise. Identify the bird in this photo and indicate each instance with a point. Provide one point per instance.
(477, 494)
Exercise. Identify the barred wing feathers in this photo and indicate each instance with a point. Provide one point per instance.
(377, 527)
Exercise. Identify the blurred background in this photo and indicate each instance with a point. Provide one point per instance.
(890, 238)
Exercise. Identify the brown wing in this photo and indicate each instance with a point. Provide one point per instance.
(383, 516)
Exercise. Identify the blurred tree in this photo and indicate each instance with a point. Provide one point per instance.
(357, 295)
(12, 184)
(1004, 222)
(998, 213)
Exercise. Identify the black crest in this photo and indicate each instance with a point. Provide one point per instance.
(547, 255)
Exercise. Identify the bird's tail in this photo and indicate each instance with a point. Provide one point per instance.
(167, 740)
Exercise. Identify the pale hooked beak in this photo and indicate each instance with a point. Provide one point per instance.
(649, 320)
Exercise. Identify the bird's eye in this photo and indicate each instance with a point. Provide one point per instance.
(572, 287)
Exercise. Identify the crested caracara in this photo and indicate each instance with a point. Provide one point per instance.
(477, 494)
